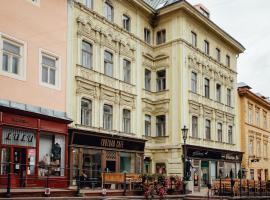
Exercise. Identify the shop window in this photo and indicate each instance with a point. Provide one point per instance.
(86, 112)
(75, 164)
(5, 155)
(107, 117)
(31, 159)
(108, 11)
(108, 63)
(194, 82)
(160, 168)
(126, 22)
(87, 55)
(160, 125)
(147, 124)
(51, 155)
(126, 120)
(139, 160)
(91, 166)
(161, 80)
(127, 162)
(127, 71)
(147, 79)
(147, 165)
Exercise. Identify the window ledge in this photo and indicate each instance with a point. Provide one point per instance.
(195, 138)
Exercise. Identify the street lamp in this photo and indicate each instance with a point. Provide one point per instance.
(184, 135)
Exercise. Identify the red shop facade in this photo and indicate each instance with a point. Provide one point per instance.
(34, 146)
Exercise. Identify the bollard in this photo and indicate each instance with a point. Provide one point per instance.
(8, 194)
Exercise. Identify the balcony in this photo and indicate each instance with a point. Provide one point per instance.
(155, 96)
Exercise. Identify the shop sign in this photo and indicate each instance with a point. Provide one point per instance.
(109, 143)
(18, 137)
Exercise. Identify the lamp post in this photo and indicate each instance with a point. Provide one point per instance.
(184, 135)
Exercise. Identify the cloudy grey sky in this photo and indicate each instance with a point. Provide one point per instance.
(248, 21)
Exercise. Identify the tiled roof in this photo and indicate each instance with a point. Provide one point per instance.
(157, 4)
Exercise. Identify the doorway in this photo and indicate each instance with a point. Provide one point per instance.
(110, 161)
(19, 166)
(205, 173)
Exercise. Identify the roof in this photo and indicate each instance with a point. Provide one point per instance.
(243, 85)
(34, 109)
(157, 4)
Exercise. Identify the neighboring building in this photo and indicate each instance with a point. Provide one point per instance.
(144, 69)
(33, 122)
(254, 113)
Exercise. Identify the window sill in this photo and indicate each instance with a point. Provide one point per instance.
(208, 140)
(195, 138)
(54, 87)
(13, 76)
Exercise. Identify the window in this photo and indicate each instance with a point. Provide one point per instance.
(88, 3)
(126, 121)
(86, 112)
(207, 129)
(5, 159)
(252, 174)
(258, 145)
(87, 55)
(206, 47)
(194, 82)
(160, 168)
(219, 132)
(127, 162)
(218, 92)
(258, 117)
(228, 61)
(265, 120)
(230, 135)
(161, 120)
(126, 22)
(229, 97)
(194, 126)
(265, 150)
(147, 35)
(251, 147)
(161, 36)
(161, 80)
(108, 11)
(147, 79)
(108, 63)
(250, 114)
(193, 39)
(127, 71)
(218, 54)
(206, 88)
(12, 58)
(107, 117)
(147, 125)
(49, 69)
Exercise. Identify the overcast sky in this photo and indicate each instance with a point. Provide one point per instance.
(248, 21)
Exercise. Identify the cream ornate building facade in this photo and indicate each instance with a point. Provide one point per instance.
(141, 70)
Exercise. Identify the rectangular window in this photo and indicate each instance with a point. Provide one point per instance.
(218, 54)
(250, 114)
(11, 57)
(229, 97)
(86, 112)
(230, 135)
(108, 63)
(251, 147)
(194, 82)
(147, 35)
(126, 22)
(88, 3)
(228, 61)
(127, 162)
(126, 121)
(258, 148)
(108, 11)
(160, 125)
(219, 132)
(147, 125)
(147, 79)
(194, 126)
(208, 129)
(252, 174)
(218, 92)
(127, 71)
(107, 117)
(257, 117)
(207, 88)
(206, 47)
(265, 120)
(87, 55)
(5, 159)
(161, 36)
(161, 80)
(265, 150)
(193, 39)
(49, 69)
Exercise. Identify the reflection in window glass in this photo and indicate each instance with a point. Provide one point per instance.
(127, 162)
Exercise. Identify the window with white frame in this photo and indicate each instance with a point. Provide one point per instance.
(193, 39)
(251, 146)
(265, 149)
(219, 132)
(126, 22)
(207, 129)
(108, 63)
(207, 88)
(147, 79)
(218, 54)
(257, 116)
(194, 126)
(218, 92)
(12, 58)
(126, 120)
(229, 97)
(87, 54)
(88, 3)
(86, 112)
(161, 36)
(160, 125)
(108, 11)
(194, 82)
(107, 117)
(230, 135)
(258, 145)
(161, 80)
(127, 71)
(49, 71)
(264, 119)
(206, 47)
(147, 125)
(147, 35)
(250, 113)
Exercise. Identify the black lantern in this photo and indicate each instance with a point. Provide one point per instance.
(184, 135)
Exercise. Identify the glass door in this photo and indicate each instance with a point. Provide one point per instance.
(19, 166)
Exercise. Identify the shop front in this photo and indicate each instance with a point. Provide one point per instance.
(33, 147)
(91, 154)
(210, 164)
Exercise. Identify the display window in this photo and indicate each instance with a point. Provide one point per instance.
(127, 162)
(5, 155)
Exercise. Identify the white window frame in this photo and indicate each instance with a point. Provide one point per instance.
(108, 4)
(90, 110)
(22, 61)
(126, 68)
(57, 85)
(90, 6)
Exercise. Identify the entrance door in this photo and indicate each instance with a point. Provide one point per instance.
(19, 166)
(205, 173)
(110, 161)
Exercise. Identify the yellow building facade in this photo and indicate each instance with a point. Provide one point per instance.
(254, 112)
(141, 70)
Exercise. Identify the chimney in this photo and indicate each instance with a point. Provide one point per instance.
(202, 9)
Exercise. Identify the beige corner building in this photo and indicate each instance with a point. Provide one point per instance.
(141, 70)
(254, 112)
